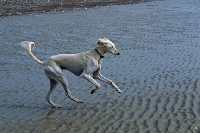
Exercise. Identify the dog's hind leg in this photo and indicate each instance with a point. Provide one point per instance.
(63, 81)
(55, 72)
(53, 84)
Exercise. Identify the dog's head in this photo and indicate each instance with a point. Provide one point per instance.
(110, 47)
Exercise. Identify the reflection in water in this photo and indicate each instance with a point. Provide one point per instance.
(50, 112)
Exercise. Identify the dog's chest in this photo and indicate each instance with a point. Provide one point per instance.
(100, 61)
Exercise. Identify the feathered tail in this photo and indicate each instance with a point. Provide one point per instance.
(29, 46)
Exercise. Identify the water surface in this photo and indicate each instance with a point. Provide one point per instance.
(157, 70)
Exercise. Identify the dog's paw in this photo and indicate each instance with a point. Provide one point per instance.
(119, 91)
(80, 101)
(57, 106)
(93, 91)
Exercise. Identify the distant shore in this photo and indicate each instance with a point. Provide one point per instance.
(19, 7)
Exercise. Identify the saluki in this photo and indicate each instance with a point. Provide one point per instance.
(81, 64)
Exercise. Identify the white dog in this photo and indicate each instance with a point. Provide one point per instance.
(81, 64)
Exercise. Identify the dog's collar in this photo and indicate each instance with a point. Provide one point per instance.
(99, 53)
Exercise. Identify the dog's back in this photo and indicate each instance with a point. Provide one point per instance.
(74, 63)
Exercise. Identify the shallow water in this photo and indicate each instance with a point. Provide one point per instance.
(157, 70)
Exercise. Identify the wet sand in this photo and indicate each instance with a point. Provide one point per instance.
(157, 70)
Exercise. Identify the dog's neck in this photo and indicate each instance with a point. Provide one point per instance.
(100, 51)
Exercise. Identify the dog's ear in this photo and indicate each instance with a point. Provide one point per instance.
(101, 42)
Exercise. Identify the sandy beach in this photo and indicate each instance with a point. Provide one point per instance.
(20, 7)
(158, 70)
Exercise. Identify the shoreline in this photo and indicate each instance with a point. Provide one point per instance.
(14, 8)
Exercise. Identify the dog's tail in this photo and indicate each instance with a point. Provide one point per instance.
(29, 46)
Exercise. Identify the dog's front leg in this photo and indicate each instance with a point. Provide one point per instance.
(98, 76)
(90, 79)
(104, 79)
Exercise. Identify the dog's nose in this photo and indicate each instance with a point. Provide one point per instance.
(118, 54)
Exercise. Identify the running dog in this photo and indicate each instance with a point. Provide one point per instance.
(81, 64)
